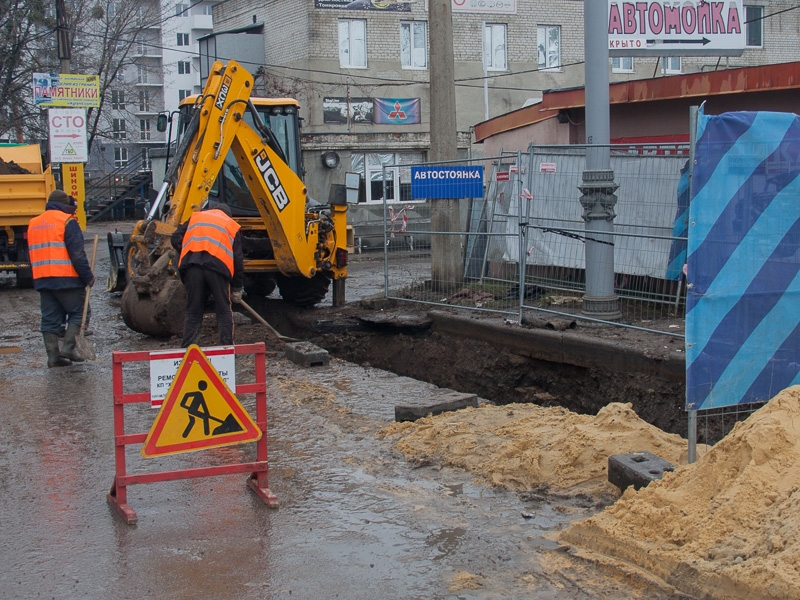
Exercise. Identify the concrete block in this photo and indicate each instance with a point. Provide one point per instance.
(636, 469)
(444, 403)
(306, 354)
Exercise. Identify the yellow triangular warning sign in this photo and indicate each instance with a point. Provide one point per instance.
(69, 151)
(200, 411)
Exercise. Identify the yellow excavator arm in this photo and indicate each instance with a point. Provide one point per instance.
(307, 245)
(279, 194)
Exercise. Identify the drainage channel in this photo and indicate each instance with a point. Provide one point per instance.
(504, 363)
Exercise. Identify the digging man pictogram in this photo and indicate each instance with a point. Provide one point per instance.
(195, 405)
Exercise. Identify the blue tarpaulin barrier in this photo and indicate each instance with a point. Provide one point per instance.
(743, 298)
(677, 250)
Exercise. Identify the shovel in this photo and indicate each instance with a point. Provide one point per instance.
(84, 347)
(258, 317)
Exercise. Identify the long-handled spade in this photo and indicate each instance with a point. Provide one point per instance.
(84, 347)
(261, 320)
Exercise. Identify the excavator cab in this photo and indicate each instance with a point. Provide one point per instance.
(281, 116)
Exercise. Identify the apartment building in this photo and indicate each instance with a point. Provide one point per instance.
(356, 67)
(165, 68)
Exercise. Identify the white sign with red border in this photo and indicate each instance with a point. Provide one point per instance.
(164, 365)
(68, 135)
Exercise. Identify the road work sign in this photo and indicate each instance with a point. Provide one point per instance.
(199, 412)
(68, 135)
(69, 91)
(164, 365)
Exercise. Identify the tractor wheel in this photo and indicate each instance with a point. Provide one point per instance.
(259, 285)
(302, 291)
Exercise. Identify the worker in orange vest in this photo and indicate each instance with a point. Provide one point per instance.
(61, 273)
(211, 260)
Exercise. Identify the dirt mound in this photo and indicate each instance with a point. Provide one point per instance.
(723, 527)
(526, 446)
(12, 168)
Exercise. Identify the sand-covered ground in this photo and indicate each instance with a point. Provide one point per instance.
(525, 446)
(724, 527)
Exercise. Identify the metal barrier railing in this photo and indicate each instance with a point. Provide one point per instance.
(523, 240)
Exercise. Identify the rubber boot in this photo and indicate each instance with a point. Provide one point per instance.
(68, 347)
(54, 358)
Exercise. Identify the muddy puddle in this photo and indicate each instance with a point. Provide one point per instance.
(357, 518)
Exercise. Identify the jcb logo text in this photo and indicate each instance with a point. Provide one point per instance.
(223, 93)
(271, 179)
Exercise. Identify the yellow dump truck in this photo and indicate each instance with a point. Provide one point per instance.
(24, 188)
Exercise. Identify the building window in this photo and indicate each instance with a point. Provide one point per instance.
(413, 45)
(622, 64)
(389, 172)
(141, 74)
(184, 94)
(120, 157)
(144, 101)
(352, 43)
(183, 39)
(494, 47)
(141, 49)
(147, 164)
(752, 28)
(118, 129)
(118, 99)
(670, 65)
(548, 41)
(207, 9)
(184, 67)
(181, 10)
(144, 129)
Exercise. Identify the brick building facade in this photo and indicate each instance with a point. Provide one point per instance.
(334, 58)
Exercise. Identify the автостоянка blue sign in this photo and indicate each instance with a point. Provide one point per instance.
(446, 182)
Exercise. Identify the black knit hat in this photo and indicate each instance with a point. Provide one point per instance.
(224, 208)
(61, 197)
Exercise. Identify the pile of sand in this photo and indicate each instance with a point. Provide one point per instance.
(525, 446)
(723, 527)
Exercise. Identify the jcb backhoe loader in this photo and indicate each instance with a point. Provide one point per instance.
(243, 152)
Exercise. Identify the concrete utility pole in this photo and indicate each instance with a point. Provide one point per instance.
(62, 36)
(445, 249)
(598, 199)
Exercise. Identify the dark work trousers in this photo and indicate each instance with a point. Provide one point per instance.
(60, 305)
(198, 283)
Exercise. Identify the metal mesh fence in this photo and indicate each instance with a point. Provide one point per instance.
(519, 241)
(715, 423)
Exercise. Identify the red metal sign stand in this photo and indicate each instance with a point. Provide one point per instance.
(259, 469)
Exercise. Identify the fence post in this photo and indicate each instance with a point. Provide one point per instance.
(385, 230)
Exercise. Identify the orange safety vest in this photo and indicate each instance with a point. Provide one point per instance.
(48, 252)
(211, 231)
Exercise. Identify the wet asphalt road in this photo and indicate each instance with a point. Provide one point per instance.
(355, 519)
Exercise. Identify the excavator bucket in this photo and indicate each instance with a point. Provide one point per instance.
(154, 301)
(159, 313)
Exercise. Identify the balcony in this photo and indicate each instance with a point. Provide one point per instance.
(202, 22)
(147, 52)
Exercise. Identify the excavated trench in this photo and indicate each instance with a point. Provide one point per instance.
(577, 369)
